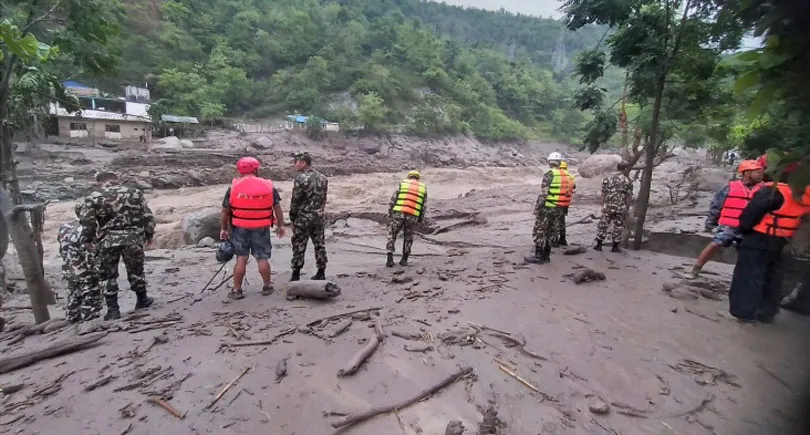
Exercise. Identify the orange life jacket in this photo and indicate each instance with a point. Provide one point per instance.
(252, 202)
(410, 197)
(785, 221)
(738, 197)
(561, 189)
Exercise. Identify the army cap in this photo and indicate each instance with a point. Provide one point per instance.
(302, 156)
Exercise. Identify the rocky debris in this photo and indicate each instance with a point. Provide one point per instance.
(168, 143)
(455, 427)
(199, 225)
(186, 143)
(262, 143)
(598, 406)
(207, 242)
(598, 164)
(587, 275)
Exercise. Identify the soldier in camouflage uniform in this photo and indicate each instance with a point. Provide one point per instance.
(79, 270)
(617, 195)
(117, 223)
(548, 211)
(406, 210)
(307, 215)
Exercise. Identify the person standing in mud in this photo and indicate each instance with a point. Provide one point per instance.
(548, 209)
(559, 236)
(251, 206)
(116, 224)
(307, 215)
(84, 300)
(617, 196)
(406, 210)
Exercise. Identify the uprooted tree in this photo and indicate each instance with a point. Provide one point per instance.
(670, 50)
(36, 36)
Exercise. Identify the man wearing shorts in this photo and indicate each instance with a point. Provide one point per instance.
(725, 210)
(250, 207)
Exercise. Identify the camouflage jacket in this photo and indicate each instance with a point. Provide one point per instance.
(617, 192)
(308, 195)
(115, 215)
(76, 260)
(541, 200)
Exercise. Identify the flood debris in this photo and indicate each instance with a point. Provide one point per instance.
(100, 382)
(353, 419)
(340, 315)
(261, 342)
(705, 401)
(26, 358)
(11, 389)
(629, 410)
(365, 353)
(341, 327)
(455, 427)
(598, 406)
(310, 289)
(587, 275)
(281, 369)
(705, 374)
(528, 384)
(418, 348)
(18, 332)
(407, 335)
(167, 406)
(228, 387)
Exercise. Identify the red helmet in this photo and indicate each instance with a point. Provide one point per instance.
(763, 160)
(247, 165)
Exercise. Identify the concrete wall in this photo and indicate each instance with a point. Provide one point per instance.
(96, 129)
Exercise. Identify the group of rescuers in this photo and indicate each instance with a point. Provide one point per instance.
(114, 222)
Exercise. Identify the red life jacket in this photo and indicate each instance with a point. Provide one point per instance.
(738, 197)
(252, 202)
(785, 221)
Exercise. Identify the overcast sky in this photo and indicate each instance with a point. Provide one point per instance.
(541, 8)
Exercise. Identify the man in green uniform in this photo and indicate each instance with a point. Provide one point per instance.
(307, 215)
(406, 210)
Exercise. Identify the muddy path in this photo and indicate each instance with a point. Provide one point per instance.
(548, 356)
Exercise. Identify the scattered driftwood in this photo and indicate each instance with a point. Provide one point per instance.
(18, 332)
(528, 384)
(365, 353)
(261, 342)
(418, 348)
(575, 250)
(705, 374)
(11, 389)
(100, 383)
(228, 387)
(353, 419)
(338, 316)
(160, 325)
(455, 427)
(509, 340)
(587, 275)
(281, 369)
(585, 220)
(407, 335)
(340, 328)
(23, 359)
(477, 220)
(165, 405)
(313, 289)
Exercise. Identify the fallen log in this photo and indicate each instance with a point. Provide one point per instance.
(337, 316)
(360, 357)
(585, 220)
(313, 289)
(24, 359)
(340, 328)
(353, 419)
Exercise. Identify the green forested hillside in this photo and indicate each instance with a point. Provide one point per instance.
(387, 65)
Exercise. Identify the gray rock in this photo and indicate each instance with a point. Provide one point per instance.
(207, 242)
(598, 406)
(144, 174)
(168, 143)
(199, 225)
(143, 185)
(370, 147)
(69, 180)
(262, 143)
(598, 164)
(186, 143)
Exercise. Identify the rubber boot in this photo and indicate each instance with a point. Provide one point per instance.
(598, 246)
(539, 256)
(562, 241)
(390, 261)
(547, 254)
(113, 311)
(404, 260)
(296, 275)
(615, 247)
(320, 275)
(143, 301)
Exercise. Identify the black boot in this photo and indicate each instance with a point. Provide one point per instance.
(320, 275)
(615, 247)
(404, 260)
(143, 301)
(547, 254)
(539, 257)
(113, 311)
(390, 261)
(296, 275)
(598, 246)
(562, 241)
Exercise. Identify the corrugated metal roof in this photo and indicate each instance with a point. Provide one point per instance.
(72, 84)
(97, 114)
(179, 119)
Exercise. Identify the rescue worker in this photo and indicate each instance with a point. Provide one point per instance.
(767, 223)
(307, 215)
(406, 210)
(617, 196)
(549, 208)
(117, 222)
(725, 209)
(798, 300)
(250, 208)
(84, 301)
(560, 239)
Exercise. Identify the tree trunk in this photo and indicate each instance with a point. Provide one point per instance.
(22, 235)
(651, 150)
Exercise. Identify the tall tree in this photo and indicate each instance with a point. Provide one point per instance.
(668, 47)
(36, 35)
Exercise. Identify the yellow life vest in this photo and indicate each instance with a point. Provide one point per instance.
(561, 189)
(410, 198)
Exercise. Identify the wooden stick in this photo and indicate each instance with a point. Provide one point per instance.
(262, 342)
(14, 362)
(525, 382)
(212, 278)
(353, 419)
(701, 315)
(156, 326)
(228, 387)
(165, 405)
(337, 316)
(360, 357)
(479, 326)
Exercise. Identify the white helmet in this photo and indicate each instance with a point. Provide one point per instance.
(555, 156)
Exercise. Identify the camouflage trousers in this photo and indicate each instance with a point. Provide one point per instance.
(304, 229)
(405, 223)
(84, 301)
(546, 226)
(611, 217)
(133, 257)
(559, 228)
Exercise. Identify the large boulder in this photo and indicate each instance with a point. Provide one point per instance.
(199, 225)
(598, 164)
(186, 143)
(262, 143)
(168, 143)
